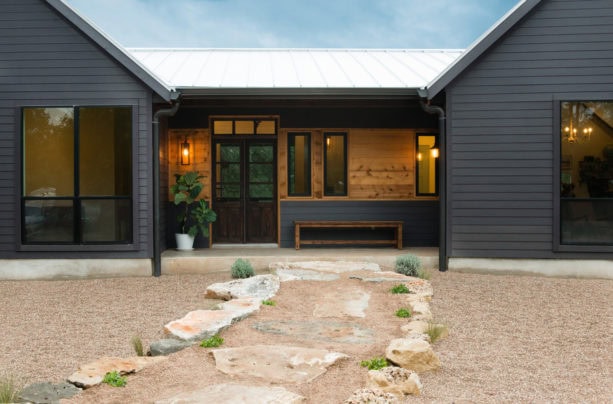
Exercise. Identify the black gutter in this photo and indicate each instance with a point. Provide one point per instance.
(157, 254)
(442, 182)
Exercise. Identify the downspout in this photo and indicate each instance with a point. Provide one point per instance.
(157, 254)
(442, 182)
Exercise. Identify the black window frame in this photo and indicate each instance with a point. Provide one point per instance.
(345, 185)
(291, 137)
(77, 244)
(436, 167)
(557, 178)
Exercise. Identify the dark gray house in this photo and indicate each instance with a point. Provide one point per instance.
(501, 156)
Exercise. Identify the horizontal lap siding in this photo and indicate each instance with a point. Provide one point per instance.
(46, 62)
(420, 217)
(501, 127)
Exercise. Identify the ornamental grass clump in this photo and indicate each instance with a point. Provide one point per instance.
(10, 389)
(408, 264)
(435, 331)
(137, 345)
(242, 269)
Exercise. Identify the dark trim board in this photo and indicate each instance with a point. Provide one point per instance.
(420, 217)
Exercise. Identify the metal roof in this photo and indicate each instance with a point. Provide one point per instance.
(295, 68)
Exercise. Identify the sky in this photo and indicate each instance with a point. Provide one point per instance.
(386, 24)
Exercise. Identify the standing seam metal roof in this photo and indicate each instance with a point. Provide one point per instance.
(296, 68)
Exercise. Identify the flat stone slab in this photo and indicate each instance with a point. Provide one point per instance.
(384, 276)
(167, 346)
(286, 275)
(47, 392)
(260, 286)
(328, 266)
(327, 331)
(202, 324)
(92, 373)
(276, 363)
(351, 303)
(236, 394)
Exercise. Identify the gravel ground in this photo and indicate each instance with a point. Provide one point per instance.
(512, 338)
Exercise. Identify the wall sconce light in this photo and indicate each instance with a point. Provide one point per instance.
(419, 157)
(185, 152)
(434, 150)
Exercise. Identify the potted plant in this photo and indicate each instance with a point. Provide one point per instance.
(192, 218)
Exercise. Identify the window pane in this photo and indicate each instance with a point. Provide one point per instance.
(299, 164)
(266, 127)
(335, 157)
(48, 221)
(48, 146)
(586, 168)
(244, 127)
(222, 127)
(106, 221)
(105, 151)
(426, 165)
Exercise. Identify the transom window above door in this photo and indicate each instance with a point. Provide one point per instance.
(242, 126)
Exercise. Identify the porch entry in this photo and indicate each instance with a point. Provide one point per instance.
(245, 178)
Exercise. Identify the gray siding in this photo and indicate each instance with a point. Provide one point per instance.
(44, 61)
(501, 128)
(420, 218)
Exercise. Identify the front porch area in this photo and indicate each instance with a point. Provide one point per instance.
(221, 257)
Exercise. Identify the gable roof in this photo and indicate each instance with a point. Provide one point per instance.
(306, 69)
(112, 48)
(482, 44)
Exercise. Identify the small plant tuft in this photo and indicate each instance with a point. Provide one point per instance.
(408, 264)
(212, 342)
(401, 288)
(10, 389)
(375, 363)
(115, 379)
(137, 344)
(403, 312)
(268, 302)
(423, 274)
(435, 331)
(242, 269)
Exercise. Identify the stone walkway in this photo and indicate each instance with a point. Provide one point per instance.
(279, 363)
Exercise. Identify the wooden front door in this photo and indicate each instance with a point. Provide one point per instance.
(245, 178)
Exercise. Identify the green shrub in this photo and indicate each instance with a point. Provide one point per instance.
(408, 264)
(10, 389)
(137, 344)
(375, 363)
(403, 312)
(268, 302)
(401, 288)
(435, 331)
(242, 269)
(212, 342)
(115, 379)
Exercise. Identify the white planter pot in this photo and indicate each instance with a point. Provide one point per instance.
(185, 242)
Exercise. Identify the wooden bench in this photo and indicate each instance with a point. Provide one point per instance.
(349, 224)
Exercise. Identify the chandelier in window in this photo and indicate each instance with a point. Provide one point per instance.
(576, 122)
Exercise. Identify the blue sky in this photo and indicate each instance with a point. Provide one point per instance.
(449, 24)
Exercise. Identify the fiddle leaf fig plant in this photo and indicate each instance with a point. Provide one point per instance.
(185, 191)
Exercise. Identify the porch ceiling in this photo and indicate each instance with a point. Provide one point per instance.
(297, 70)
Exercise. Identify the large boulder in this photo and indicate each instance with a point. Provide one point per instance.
(395, 380)
(413, 354)
(260, 286)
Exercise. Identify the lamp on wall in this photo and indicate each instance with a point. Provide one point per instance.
(184, 149)
(434, 150)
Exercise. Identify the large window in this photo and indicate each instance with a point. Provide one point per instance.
(77, 175)
(586, 168)
(299, 164)
(335, 164)
(427, 169)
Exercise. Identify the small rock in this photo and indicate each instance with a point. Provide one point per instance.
(167, 346)
(415, 327)
(275, 363)
(44, 393)
(371, 396)
(421, 311)
(395, 380)
(92, 373)
(413, 354)
(328, 266)
(420, 287)
(261, 287)
(235, 394)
